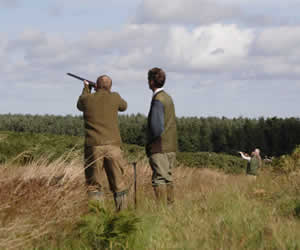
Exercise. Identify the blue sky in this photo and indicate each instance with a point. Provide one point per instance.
(222, 57)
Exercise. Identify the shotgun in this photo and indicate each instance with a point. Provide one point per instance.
(91, 84)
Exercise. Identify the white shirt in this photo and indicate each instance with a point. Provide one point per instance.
(248, 158)
(157, 90)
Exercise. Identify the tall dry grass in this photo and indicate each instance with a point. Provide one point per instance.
(218, 211)
(37, 199)
(42, 203)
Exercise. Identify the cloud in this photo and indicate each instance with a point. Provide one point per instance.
(196, 50)
(221, 52)
(187, 11)
(36, 56)
(279, 41)
(276, 53)
(9, 3)
(213, 48)
(253, 13)
(55, 10)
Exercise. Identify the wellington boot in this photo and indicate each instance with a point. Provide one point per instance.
(160, 193)
(121, 200)
(170, 194)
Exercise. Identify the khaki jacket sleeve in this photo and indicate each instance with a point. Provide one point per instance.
(81, 100)
(122, 104)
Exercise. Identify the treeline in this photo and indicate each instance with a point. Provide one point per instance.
(274, 136)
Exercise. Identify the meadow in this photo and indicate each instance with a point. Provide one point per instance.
(44, 206)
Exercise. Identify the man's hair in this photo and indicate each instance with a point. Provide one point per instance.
(158, 76)
(257, 150)
(104, 82)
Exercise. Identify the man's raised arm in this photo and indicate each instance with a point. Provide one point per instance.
(122, 105)
(86, 90)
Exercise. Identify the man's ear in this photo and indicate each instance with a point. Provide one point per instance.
(151, 83)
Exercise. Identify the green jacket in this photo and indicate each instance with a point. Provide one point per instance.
(253, 165)
(162, 132)
(100, 112)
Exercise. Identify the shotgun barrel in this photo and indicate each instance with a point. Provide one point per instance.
(92, 84)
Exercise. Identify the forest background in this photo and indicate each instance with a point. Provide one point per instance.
(274, 136)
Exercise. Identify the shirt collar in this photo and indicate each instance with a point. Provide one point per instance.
(157, 91)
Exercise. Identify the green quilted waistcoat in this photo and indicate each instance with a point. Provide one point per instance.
(167, 142)
(253, 166)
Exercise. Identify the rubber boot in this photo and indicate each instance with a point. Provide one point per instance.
(160, 194)
(170, 194)
(121, 200)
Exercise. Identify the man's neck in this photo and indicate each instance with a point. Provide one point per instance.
(103, 89)
(156, 90)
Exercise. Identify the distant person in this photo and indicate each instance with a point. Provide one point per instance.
(102, 140)
(161, 144)
(254, 163)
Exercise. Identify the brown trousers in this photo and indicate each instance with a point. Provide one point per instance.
(162, 165)
(109, 158)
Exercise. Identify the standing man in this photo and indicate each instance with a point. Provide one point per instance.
(161, 137)
(102, 140)
(254, 163)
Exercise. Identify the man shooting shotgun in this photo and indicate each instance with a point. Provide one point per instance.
(102, 139)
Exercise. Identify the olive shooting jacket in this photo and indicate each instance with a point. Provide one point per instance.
(100, 112)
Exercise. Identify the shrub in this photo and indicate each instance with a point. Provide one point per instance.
(288, 163)
(228, 163)
(103, 229)
(22, 148)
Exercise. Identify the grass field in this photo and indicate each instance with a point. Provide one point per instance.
(43, 206)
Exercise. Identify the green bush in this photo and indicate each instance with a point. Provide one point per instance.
(288, 163)
(104, 229)
(228, 163)
(100, 228)
(22, 148)
(133, 152)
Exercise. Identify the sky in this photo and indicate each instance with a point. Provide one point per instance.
(227, 58)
